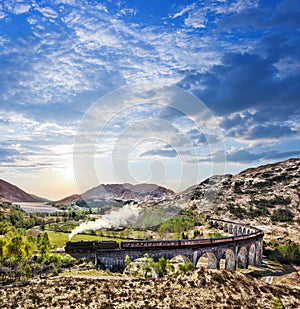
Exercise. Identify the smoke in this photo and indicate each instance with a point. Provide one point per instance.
(127, 214)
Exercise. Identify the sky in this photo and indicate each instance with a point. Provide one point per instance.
(168, 92)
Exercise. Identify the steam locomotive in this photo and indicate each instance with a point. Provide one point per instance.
(90, 246)
(94, 246)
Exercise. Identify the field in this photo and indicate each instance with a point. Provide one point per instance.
(59, 239)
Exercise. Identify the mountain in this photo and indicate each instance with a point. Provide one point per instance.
(266, 193)
(140, 192)
(11, 193)
(68, 200)
(119, 193)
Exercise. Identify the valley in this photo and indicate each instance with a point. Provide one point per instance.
(267, 197)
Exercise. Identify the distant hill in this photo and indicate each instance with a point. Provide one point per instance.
(11, 193)
(68, 200)
(119, 193)
(261, 194)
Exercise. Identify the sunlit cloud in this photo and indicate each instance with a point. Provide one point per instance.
(57, 59)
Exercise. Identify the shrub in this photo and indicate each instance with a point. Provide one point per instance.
(27, 271)
(215, 235)
(289, 253)
(277, 304)
(187, 267)
(236, 211)
(127, 260)
(282, 215)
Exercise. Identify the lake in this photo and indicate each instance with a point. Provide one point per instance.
(37, 207)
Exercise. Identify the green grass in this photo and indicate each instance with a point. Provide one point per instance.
(60, 239)
(90, 272)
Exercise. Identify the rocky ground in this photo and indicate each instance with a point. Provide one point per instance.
(201, 288)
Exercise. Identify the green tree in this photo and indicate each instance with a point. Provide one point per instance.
(160, 267)
(28, 248)
(44, 245)
(127, 260)
(28, 271)
(147, 264)
(178, 228)
(14, 247)
(3, 242)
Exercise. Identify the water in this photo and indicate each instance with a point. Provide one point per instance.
(30, 207)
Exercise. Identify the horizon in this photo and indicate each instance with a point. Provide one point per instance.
(168, 93)
(126, 183)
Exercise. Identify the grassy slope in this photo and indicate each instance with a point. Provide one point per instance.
(60, 239)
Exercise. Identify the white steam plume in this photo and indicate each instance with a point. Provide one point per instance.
(125, 215)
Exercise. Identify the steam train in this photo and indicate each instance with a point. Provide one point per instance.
(94, 246)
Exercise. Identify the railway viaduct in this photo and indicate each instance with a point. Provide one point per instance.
(241, 249)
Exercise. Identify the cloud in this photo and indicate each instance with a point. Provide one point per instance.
(240, 57)
(4, 121)
(183, 11)
(27, 142)
(47, 12)
(196, 20)
(240, 82)
(269, 131)
(242, 156)
(259, 125)
(244, 81)
(168, 153)
(21, 8)
(283, 13)
(8, 153)
(246, 156)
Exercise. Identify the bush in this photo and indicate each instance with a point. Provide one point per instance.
(289, 253)
(68, 260)
(282, 215)
(215, 235)
(260, 210)
(187, 267)
(277, 304)
(27, 271)
(236, 211)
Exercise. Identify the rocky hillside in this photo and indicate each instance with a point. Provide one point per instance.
(263, 194)
(12, 193)
(140, 192)
(114, 193)
(201, 288)
(67, 200)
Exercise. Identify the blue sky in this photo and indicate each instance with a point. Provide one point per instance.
(57, 58)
